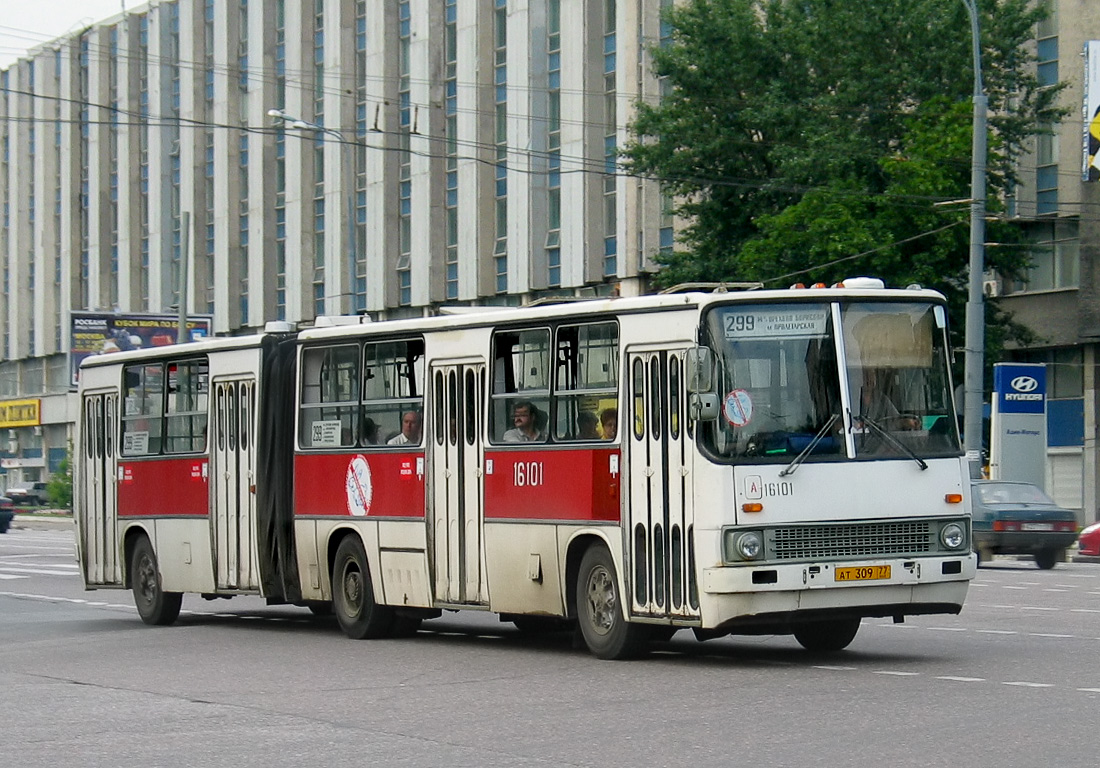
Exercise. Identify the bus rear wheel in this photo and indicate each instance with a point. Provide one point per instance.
(154, 605)
(360, 616)
(605, 629)
(826, 636)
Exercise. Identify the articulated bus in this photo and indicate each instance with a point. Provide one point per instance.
(751, 462)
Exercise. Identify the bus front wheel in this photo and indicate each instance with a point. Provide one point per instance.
(826, 636)
(360, 616)
(154, 605)
(605, 629)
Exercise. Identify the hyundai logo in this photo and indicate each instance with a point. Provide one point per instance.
(1024, 384)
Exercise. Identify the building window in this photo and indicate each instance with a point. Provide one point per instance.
(1054, 253)
(500, 98)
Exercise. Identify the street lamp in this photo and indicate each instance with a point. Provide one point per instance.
(281, 117)
(975, 303)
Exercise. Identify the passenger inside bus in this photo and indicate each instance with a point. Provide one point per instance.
(609, 422)
(528, 424)
(586, 426)
(410, 430)
(370, 432)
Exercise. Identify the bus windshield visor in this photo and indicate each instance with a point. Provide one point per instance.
(779, 382)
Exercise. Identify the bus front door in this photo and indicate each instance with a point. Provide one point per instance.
(658, 538)
(98, 522)
(456, 482)
(233, 471)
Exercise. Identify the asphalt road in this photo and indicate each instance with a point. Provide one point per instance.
(1012, 681)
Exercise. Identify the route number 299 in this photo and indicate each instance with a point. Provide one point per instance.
(740, 324)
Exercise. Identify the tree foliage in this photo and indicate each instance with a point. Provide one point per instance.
(796, 134)
(60, 487)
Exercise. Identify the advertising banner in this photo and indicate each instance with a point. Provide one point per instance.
(1090, 112)
(96, 333)
(1018, 433)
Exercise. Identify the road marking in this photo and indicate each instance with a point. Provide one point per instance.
(995, 631)
(1012, 586)
(895, 673)
(831, 668)
(12, 576)
(1081, 610)
(1049, 589)
(1038, 608)
(1049, 634)
(1088, 690)
(40, 571)
(948, 629)
(1024, 684)
(956, 679)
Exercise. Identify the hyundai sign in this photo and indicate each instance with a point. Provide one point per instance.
(1018, 433)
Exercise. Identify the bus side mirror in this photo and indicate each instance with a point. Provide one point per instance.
(699, 370)
(703, 406)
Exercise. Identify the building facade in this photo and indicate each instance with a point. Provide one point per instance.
(427, 152)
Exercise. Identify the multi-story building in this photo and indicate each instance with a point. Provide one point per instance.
(467, 156)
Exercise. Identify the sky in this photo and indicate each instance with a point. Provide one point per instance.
(25, 24)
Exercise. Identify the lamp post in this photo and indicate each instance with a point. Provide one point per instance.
(281, 117)
(975, 303)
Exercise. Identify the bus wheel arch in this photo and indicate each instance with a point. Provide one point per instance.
(601, 613)
(359, 614)
(155, 606)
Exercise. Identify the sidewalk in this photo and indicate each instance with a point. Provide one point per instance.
(43, 520)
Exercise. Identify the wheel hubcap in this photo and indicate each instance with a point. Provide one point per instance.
(353, 591)
(602, 603)
(147, 579)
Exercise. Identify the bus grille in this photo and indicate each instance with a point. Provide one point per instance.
(815, 542)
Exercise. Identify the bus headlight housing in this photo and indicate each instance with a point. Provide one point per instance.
(952, 536)
(748, 545)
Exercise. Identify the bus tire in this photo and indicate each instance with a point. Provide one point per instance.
(155, 606)
(603, 626)
(360, 616)
(826, 636)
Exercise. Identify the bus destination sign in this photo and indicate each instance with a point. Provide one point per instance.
(765, 324)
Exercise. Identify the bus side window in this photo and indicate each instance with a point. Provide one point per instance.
(586, 382)
(186, 405)
(142, 409)
(393, 392)
(328, 415)
(521, 386)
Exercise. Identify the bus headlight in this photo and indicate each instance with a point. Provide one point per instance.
(750, 545)
(952, 536)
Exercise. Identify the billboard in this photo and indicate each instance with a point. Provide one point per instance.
(1090, 112)
(97, 333)
(1018, 434)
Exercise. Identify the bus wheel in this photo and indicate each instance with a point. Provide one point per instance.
(606, 631)
(353, 596)
(154, 605)
(826, 636)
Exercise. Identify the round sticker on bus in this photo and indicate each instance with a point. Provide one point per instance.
(737, 408)
(359, 487)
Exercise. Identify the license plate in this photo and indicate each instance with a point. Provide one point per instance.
(1037, 526)
(862, 573)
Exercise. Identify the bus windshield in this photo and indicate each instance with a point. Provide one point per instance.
(782, 392)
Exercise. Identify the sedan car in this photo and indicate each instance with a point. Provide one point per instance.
(1012, 518)
(1088, 543)
(27, 493)
(7, 513)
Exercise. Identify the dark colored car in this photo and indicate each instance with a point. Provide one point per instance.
(27, 493)
(1088, 543)
(7, 512)
(1012, 518)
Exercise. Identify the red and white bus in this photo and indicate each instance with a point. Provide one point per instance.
(756, 462)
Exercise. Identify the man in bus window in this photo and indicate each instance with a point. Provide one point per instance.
(586, 426)
(609, 423)
(525, 417)
(410, 430)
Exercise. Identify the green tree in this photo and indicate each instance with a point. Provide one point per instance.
(60, 487)
(795, 135)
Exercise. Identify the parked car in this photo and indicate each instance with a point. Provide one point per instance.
(7, 512)
(1088, 543)
(27, 493)
(1012, 518)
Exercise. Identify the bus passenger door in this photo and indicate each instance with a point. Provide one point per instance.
(98, 525)
(233, 473)
(455, 492)
(658, 546)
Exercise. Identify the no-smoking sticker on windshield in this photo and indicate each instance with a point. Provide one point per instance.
(737, 408)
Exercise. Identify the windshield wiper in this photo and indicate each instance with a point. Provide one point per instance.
(790, 468)
(891, 440)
